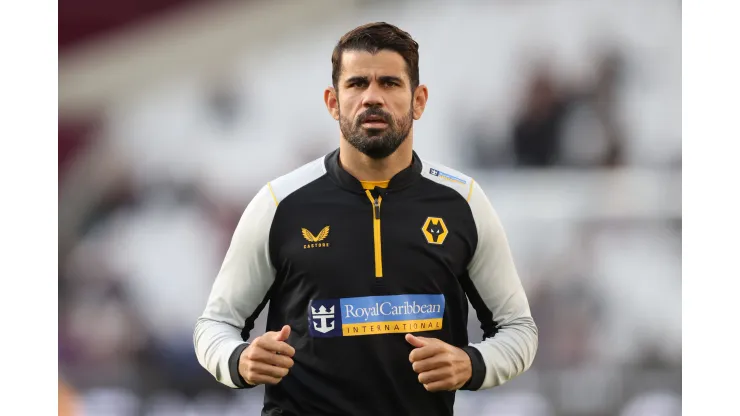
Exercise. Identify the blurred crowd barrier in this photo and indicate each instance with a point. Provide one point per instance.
(566, 112)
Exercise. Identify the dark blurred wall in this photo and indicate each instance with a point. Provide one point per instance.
(82, 20)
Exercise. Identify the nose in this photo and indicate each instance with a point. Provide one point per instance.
(373, 96)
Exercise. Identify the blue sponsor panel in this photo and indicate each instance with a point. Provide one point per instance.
(391, 308)
(349, 316)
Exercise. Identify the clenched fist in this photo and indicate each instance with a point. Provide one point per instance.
(267, 359)
(440, 366)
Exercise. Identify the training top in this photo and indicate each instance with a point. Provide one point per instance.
(352, 270)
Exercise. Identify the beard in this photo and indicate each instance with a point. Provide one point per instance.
(376, 143)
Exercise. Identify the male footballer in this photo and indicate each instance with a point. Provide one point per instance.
(368, 257)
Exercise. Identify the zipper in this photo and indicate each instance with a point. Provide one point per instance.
(376, 233)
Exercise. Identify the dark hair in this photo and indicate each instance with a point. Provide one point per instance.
(373, 37)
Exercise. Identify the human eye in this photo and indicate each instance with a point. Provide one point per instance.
(359, 83)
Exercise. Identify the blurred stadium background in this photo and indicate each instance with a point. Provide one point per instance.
(174, 112)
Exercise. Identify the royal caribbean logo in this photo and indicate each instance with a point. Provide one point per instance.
(374, 315)
(323, 319)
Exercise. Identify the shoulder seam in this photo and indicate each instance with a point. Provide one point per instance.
(470, 192)
(296, 179)
(274, 198)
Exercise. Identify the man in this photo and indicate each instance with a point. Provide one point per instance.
(368, 257)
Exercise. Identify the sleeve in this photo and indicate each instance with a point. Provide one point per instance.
(510, 336)
(239, 293)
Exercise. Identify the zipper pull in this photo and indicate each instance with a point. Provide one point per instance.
(380, 192)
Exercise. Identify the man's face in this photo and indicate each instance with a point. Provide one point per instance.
(374, 102)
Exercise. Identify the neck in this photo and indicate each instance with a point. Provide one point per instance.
(365, 168)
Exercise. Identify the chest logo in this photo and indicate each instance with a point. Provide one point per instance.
(323, 319)
(315, 241)
(435, 230)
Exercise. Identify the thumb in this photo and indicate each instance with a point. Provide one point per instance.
(417, 342)
(283, 334)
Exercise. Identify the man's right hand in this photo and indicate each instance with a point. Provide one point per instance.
(267, 359)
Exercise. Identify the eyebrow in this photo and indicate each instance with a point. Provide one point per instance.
(356, 79)
(383, 78)
(386, 78)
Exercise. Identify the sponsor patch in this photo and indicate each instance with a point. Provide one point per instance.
(374, 315)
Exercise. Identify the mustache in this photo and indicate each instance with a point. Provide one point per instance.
(374, 112)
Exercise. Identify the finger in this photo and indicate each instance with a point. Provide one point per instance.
(444, 385)
(270, 344)
(425, 352)
(255, 379)
(283, 334)
(417, 342)
(257, 367)
(269, 357)
(432, 376)
(431, 363)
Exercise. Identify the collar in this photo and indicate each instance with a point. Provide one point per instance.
(341, 177)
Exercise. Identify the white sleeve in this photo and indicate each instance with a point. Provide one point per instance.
(239, 292)
(510, 336)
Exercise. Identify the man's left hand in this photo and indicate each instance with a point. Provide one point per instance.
(440, 366)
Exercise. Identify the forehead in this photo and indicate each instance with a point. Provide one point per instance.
(363, 63)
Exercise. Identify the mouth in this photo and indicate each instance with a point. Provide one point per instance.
(374, 122)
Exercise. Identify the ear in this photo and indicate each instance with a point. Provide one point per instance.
(332, 102)
(420, 100)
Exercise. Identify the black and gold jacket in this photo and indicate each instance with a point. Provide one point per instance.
(352, 270)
